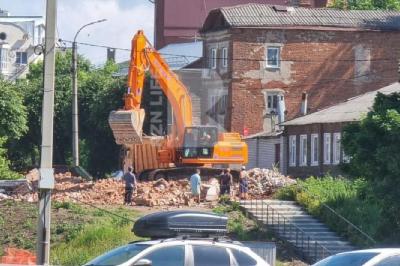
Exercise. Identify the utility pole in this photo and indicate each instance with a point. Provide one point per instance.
(75, 116)
(46, 182)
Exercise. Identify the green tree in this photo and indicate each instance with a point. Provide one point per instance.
(13, 123)
(99, 93)
(373, 145)
(13, 112)
(367, 4)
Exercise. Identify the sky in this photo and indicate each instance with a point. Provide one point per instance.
(124, 18)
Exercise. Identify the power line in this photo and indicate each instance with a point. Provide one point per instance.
(239, 59)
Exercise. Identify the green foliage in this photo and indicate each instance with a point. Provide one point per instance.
(367, 4)
(353, 199)
(13, 112)
(5, 172)
(98, 93)
(373, 145)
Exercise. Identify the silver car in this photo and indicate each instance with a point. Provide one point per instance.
(180, 252)
(367, 257)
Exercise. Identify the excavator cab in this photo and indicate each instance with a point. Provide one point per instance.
(199, 142)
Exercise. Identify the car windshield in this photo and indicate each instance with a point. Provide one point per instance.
(118, 255)
(349, 259)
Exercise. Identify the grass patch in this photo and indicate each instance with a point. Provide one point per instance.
(353, 199)
(78, 233)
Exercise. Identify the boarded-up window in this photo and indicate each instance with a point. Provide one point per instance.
(303, 150)
(314, 149)
(292, 150)
(327, 148)
(362, 64)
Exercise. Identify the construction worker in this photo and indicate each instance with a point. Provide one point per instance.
(130, 185)
(226, 182)
(195, 185)
(243, 183)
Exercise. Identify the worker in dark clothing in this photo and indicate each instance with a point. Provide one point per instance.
(226, 182)
(130, 185)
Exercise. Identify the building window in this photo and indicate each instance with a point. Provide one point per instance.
(272, 99)
(21, 58)
(224, 57)
(3, 58)
(327, 148)
(336, 148)
(303, 150)
(213, 58)
(292, 150)
(273, 57)
(314, 149)
(362, 62)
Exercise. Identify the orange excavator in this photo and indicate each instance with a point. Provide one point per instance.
(187, 145)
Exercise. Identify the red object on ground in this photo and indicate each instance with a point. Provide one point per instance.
(18, 256)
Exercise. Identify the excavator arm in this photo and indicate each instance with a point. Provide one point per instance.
(127, 124)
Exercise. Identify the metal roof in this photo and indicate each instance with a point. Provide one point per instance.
(259, 15)
(177, 56)
(351, 110)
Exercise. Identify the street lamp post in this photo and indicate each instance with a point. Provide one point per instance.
(75, 131)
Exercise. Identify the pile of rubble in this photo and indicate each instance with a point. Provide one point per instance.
(264, 182)
(111, 191)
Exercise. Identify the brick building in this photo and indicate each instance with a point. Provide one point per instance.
(312, 143)
(174, 26)
(261, 59)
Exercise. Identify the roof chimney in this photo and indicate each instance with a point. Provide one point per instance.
(111, 54)
(304, 107)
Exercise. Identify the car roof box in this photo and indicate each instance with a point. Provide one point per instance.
(180, 223)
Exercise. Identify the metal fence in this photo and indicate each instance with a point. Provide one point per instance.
(309, 248)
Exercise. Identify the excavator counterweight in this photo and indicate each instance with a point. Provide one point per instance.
(127, 126)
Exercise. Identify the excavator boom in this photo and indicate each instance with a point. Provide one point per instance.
(127, 124)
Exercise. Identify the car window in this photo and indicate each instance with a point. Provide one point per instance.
(348, 259)
(242, 258)
(118, 255)
(391, 261)
(167, 256)
(210, 256)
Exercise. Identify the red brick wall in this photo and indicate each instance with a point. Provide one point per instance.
(318, 62)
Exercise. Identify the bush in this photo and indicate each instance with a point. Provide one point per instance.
(5, 171)
(352, 199)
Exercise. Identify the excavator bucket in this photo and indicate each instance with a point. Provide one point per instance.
(127, 126)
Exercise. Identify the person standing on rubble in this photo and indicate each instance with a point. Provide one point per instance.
(243, 183)
(226, 182)
(195, 185)
(130, 185)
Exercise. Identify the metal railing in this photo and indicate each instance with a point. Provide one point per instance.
(370, 241)
(310, 249)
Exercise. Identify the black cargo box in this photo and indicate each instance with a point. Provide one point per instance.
(175, 223)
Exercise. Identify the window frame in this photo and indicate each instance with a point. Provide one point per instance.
(21, 55)
(314, 160)
(327, 152)
(303, 150)
(213, 61)
(336, 148)
(278, 60)
(225, 57)
(292, 150)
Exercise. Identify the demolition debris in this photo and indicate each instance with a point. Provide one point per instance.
(262, 183)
